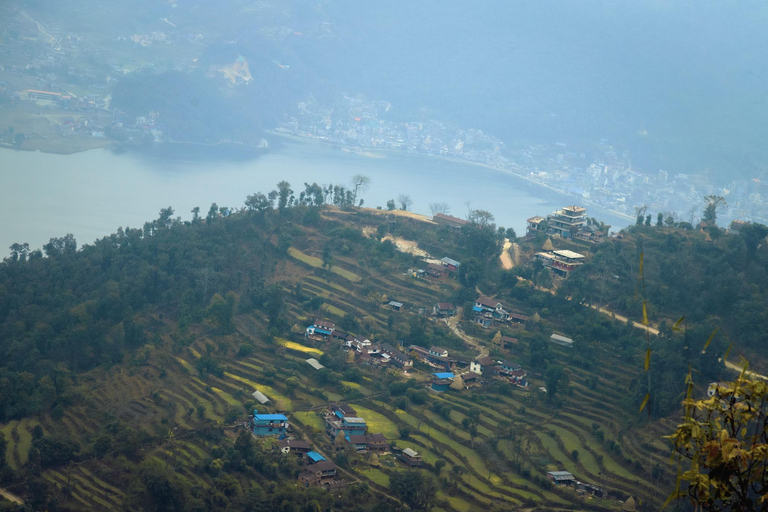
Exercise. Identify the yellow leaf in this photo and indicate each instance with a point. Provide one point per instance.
(645, 401)
(647, 359)
(711, 336)
(677, 324)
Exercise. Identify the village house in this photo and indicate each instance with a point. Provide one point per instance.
(508, 343)
(590, 233)
(483, 366)
(561, 340)
(260, 397)
(444, 309)
(435, 271)
(410, 458)
(438, 351)
(536, 224)
(561, 262)
(395, 356)
(448, 220)
(561, 477)
(295, 446)
(314, 363)
(320, 330)
(517, 318)
(396, 306)
(442, 381)
(487, 311)
(319, 473)
(368, 442)
(341, 418)
(451, 264)
(266, 425)
(432, 359)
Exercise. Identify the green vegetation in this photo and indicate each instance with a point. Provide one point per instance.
(144, 367)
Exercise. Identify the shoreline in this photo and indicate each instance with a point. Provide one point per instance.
(453, 159)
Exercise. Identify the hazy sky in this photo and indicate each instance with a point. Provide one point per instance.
(692, 74)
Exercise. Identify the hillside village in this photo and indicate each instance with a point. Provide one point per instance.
(434, 366)
(358, 362)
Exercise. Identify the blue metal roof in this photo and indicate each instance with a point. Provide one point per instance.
(269, 417)
(338, 413)
(476, 309)
(315, 457)
(443, 375)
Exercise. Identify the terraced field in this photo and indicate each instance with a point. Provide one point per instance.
(501, 461)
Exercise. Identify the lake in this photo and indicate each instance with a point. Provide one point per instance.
(91, 194)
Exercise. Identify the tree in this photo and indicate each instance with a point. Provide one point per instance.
(722, 445)
(196, 214)
(710, 210)
(360, 183)
(441, 207)
(439, 465)
(648, 220)
(405, 201)
(284, 192)
(391, 205)
(413, 487)
(66, 245)
(481, 217)
(258, 202)
(660, 220)
(552, 380)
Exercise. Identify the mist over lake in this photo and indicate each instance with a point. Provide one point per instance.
(91, 194)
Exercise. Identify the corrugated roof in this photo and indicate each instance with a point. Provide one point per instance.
(314, 363)
(410, 452)
(444, 375)
(269, 417)
(260, 397)
(314, 456)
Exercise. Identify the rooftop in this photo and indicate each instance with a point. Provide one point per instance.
(410, 452)
(315, 457)
(444, 375)
(314, 363)
(269, 417)
(569, 254)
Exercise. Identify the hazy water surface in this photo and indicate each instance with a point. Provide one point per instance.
(91, 194)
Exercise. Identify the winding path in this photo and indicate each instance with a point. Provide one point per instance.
(10, 496)
(453, 325)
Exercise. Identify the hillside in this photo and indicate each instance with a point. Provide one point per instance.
(129, 368)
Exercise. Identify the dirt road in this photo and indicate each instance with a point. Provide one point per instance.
(453, 324)
(506, 259)
(622, 318)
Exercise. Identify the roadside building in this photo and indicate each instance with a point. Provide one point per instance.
(561, 262)
(265, 425)
(444, 309)
(320, 330)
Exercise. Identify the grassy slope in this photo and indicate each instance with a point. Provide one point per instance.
(138, 393)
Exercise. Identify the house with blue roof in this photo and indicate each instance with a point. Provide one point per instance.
(320, 330)
(314, 457)
(442, 381)
(263, 425)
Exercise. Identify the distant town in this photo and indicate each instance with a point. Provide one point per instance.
(606, 180)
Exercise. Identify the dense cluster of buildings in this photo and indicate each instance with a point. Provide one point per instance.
(603, 178)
